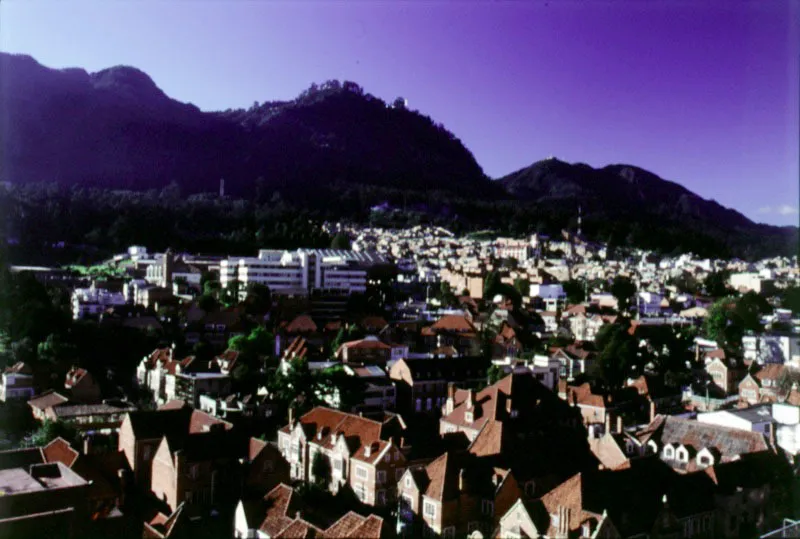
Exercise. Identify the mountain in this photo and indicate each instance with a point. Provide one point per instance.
(637, 202)
(116, 128)
(337, 150)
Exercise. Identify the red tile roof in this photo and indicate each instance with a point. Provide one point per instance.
(301, 324)
(455, 323)
(59, 450)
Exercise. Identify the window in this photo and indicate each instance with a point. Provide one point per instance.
(429, 509)
(381, 477)
(487, 507)
(361, 493)
(408, 481)
(193, 471)
(449, 532)
(555, 520)
(361, 472)
(418, 405)
(669, 452)
(338, 465)
(469, 417)
(381, 497)
(428, 403)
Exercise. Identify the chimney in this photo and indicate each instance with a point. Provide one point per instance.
(291, 418)
(87, 445)
(470, 399)
(619, 424)
(652, 411)
(451, 399)
(771, 434)
(461, 484)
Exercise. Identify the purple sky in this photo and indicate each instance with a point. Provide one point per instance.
(704, 93)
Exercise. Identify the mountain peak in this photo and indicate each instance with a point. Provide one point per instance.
(127, 80)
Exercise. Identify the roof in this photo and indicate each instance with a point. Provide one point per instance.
(353, 525)
(279, 501)
(75, 376)
(18, 368)
(323, 426)
(47, 400)
(455, 323)
(608, 451)
(301, 324)
(59, 450)
(729, 442)
(173, 422)
(771, 371)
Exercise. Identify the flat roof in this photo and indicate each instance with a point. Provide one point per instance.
(37, 478)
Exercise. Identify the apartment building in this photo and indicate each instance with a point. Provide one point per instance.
(363, 453)
(299, 272)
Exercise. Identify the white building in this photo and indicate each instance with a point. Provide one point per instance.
(746, 282)
(512, 248)
(90, 302)
(553, 295)
(649, 303)
(772, 348)
(298, 272)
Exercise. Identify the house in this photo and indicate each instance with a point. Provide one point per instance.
(518, 424)
(687, 445)
(142, 432)
(506, 344)
(378, 390)
(764, 385)
(198, 468)
(769, 348)
(584, 327)
(101, 418)
(265, 467)
(81, 386)
(368, 350)
(17, 383)
(453, 330)
(575, 359)
(362, 453)
(281, 513)
(653, 391)
(42, 405)
(725, 373)
(422, 383)
(454, 495)
(43, 499)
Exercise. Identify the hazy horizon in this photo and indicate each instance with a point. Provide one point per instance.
(598, 83)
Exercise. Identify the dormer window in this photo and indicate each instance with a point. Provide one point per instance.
(682, 454)
(669, 452)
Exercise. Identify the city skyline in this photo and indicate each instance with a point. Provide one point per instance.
(600, 83)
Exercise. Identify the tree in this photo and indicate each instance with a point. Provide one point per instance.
(623, 289)
(575, 291)
(494, 374)
(618, 354)
(321, 469)
(340, 241)
(790, 299)
(716, 284)
(490, 283)
(49, 431)
(523, 286)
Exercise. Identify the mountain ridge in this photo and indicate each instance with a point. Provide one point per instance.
(116, 128)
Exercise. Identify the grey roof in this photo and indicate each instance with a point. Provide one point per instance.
(755, 414)
(728, 441)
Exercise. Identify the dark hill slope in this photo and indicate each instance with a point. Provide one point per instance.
(116, 128)
(639, 203)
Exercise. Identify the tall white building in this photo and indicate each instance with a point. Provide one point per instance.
(90, 302)
(298, 272)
